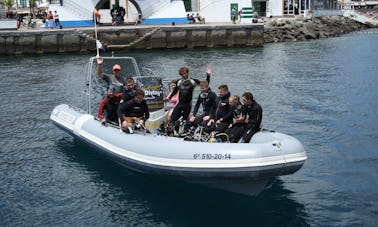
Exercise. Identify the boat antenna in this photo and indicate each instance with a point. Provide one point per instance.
(95, 28)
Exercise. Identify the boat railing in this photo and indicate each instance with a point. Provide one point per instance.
(147, 72)
(128, 63)
(88, 73)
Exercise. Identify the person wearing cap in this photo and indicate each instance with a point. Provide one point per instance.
(107, 111)
(115, 79)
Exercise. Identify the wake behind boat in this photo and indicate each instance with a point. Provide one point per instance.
(245, 168)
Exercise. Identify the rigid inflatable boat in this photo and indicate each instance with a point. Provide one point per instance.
(245, 168)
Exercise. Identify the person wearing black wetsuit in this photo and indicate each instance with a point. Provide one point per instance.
(185, 87)
(221, 116)
(134, 109)
(107, 112)
(129, 89)
(207, 98)
(253, 116)
(236, 130)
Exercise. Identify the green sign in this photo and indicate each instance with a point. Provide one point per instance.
(247, 12)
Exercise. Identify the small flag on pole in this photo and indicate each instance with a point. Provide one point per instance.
(99, 45)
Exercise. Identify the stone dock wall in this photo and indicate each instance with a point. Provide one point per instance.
(176, 37)
(130, 37)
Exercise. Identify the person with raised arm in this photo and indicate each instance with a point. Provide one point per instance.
(206, 98)
(185, 86)
(115, 79)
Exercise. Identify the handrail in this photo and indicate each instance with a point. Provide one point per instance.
(88, 71)
(359, 17)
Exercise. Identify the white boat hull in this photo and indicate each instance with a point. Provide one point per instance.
(239, 167)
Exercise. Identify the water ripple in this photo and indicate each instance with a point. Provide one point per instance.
(322, 92)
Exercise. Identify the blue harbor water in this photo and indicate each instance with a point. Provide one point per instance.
(322, 92)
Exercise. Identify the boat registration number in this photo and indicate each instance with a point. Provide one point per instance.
(208, 156)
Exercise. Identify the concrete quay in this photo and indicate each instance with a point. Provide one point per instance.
(131, 37)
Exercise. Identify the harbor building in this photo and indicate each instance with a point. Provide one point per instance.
(81, 13)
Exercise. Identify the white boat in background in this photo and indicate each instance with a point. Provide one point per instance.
(245, 168)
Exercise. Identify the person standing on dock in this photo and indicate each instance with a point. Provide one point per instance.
(56, 18)
(233, 15)
(50, 18)
(115, 79)
(240, 15)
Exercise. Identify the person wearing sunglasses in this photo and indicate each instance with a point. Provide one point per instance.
(115, 79)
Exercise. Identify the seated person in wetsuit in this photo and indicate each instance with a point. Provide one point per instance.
(221, 116)
(107, 112)
(207, 98)
(173, 100)
(236, 130)
(129, 89)
(185, 87)
(253, 116)
(134, 111)
(115, 79)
